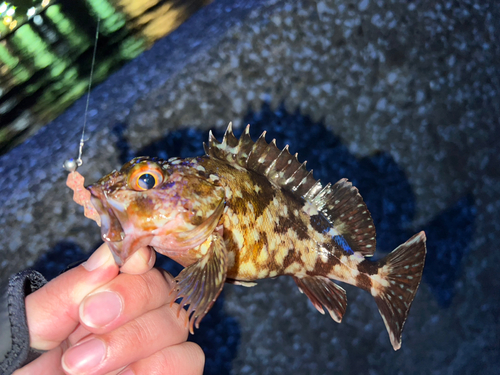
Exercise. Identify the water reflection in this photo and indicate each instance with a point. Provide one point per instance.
(46, 51)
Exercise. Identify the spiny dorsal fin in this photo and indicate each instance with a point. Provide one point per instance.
(279, 166)
(341, 203)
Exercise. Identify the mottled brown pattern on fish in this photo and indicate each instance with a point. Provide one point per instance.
(369, 267)
(326, 264)
(279, 243)
(364, 281)
(247, 211)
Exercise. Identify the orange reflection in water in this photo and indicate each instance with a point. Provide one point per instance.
(155, 18)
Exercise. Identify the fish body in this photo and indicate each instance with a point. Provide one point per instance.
(247, 211)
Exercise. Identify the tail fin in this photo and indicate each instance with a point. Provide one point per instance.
(399, 276)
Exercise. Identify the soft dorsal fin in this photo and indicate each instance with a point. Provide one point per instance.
(341, 203)
(344, 207)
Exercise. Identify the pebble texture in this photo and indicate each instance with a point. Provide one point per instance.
(399, 97)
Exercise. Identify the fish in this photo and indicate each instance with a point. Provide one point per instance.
(247, 211)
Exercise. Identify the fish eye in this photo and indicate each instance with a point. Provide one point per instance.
(146, 181)
(145, 178)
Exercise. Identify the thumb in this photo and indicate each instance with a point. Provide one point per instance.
(52, 311)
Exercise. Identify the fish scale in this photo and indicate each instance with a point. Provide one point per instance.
(247, 211)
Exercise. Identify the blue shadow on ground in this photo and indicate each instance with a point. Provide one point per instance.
(380, 181)
(449, 239)
(64, 255)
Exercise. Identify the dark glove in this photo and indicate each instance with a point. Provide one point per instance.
(15, 350)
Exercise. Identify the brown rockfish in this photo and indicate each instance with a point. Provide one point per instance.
(247, 211)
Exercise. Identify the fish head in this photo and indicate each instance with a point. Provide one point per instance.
(168, 205)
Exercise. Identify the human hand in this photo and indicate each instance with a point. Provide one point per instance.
(93, 319)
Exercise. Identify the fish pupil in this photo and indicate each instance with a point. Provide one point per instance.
(146, 181)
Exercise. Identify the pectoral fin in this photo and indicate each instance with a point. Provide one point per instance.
(324, 292)
(200, 284)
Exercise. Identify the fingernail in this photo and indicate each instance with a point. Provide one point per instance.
(97, 259)
(84, 357)
(147, 256)
(100, 309)
(152, 258)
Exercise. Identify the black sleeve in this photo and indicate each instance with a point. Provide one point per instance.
(15, 350)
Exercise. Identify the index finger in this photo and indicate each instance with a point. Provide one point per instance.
(52, 312)
(140, 262)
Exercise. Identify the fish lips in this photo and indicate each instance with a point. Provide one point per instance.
(113, 215)
(111, 228)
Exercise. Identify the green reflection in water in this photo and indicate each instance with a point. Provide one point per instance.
(64, 93)
(72, 94)
(102, 70)
(21, 75)
(7, 58)
(73, 36)
(132, 47)
(15, 13)
(29, 43)
(18, 72)
(45, 57)
(33, 87)
(68, 79)
(57, 68)
(110, 20)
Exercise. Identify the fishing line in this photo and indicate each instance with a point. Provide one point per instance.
(71, 164)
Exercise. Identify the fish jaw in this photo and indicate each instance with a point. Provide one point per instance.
(122, 250)
(120, 229)
(111, 228)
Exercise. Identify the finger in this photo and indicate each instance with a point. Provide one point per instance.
(48, 363)
(182, 359)
(140, 338)
(140, 262)
(123, 299)
(52, 311)
(77, 335)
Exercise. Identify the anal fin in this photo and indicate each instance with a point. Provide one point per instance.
(200, 284)
(324, 292)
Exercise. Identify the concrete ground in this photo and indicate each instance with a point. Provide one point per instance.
(399, 97)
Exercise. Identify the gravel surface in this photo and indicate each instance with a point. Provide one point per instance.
(400, 98)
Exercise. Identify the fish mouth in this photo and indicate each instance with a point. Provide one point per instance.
(113, 221)
(111, 228)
